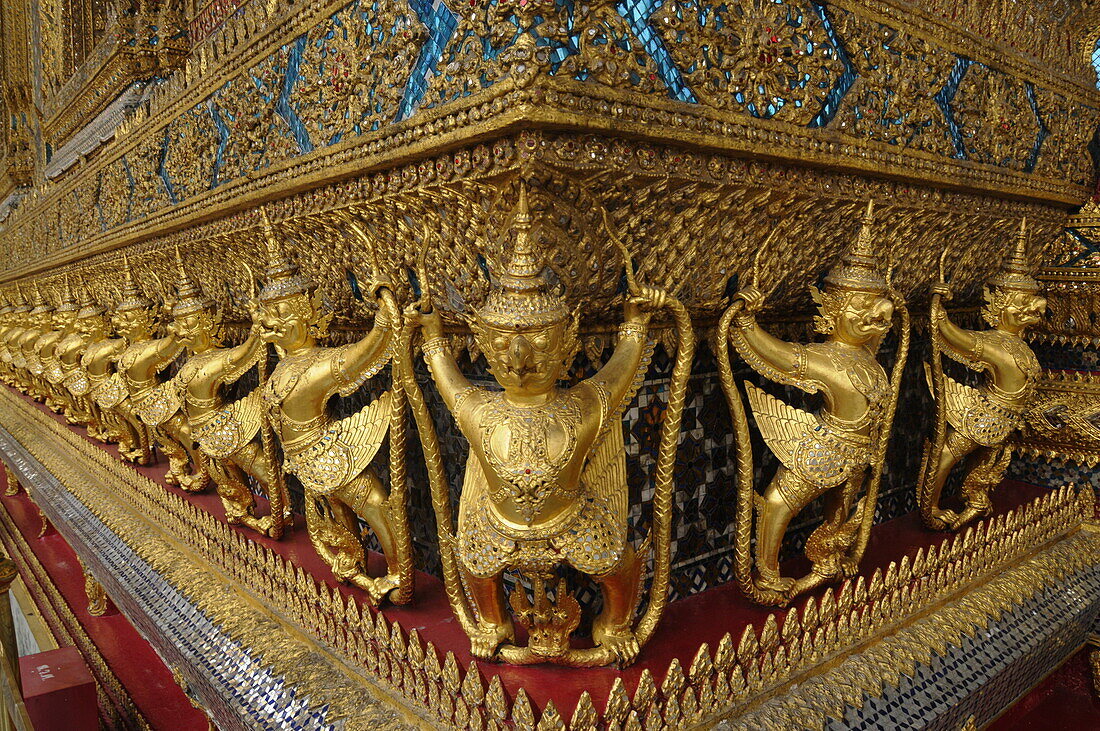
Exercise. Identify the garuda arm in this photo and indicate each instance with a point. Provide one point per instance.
(957, 343)
(774, 359)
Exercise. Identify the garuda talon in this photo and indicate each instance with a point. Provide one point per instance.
(227, 433)
(545, 483)
(975, 423)
(333, 458)
(824, 453)
(139, 367)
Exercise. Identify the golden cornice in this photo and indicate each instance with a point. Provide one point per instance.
(552, 103)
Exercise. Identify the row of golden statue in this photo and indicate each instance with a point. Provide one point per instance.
(545, 482)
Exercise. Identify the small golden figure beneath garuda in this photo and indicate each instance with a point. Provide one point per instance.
(545, 483)
(827, 453)
(976, 422)
(333, 457)
(227, 433)
(138, 367)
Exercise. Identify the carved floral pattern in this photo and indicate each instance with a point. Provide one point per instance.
(772, 59)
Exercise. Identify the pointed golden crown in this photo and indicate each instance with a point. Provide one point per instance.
(68, 304)
(21, 304)
(41, 306)
(1015, 271)
(88, 306)
(189, 296)
(859, 268)
(132, 296)
(282, 278)
(521, 297)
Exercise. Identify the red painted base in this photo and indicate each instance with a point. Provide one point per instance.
(1065, 700)
(133, 661)
(59, 691)
(704, 617)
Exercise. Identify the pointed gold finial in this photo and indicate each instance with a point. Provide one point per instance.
(132, 297)
(521, 297)
(68, 302)
(281, 275)
(189, 296)
(859, 268)
(41, 305)
(1016, 272)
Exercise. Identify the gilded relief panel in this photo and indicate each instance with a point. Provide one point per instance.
(353, 70)
(115, 190)
(997, 121)
(898, 79)
(772, 60)
(189, 158)
(249, 107)
(149, 191)
(1064, 154)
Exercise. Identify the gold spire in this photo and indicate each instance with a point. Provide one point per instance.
(41, 305)
(21, 303)
(520, 297)
(1015, 271)
(281, 276)
(88, 306)
(132, 297)
(858, 268)
(189, 296)
(68, 304)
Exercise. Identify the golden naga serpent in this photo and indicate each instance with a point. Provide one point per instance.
(662, 497)
(933, 447)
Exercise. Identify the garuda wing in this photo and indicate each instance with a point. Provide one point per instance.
(161, 403)
(345, 449)
(605, 473)
(231, 427)
(957, 399)
(783, 427)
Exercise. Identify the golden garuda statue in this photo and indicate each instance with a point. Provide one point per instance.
(139, 367)
(17, 322)
(7, 318)
(64, 325)
(978, 421)
(88, 326)
(13, 325)
(56, 327)
(108, 389)
(835, 451)
(545, 483)
(227, 433)
(41, 322)
(333, 458)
